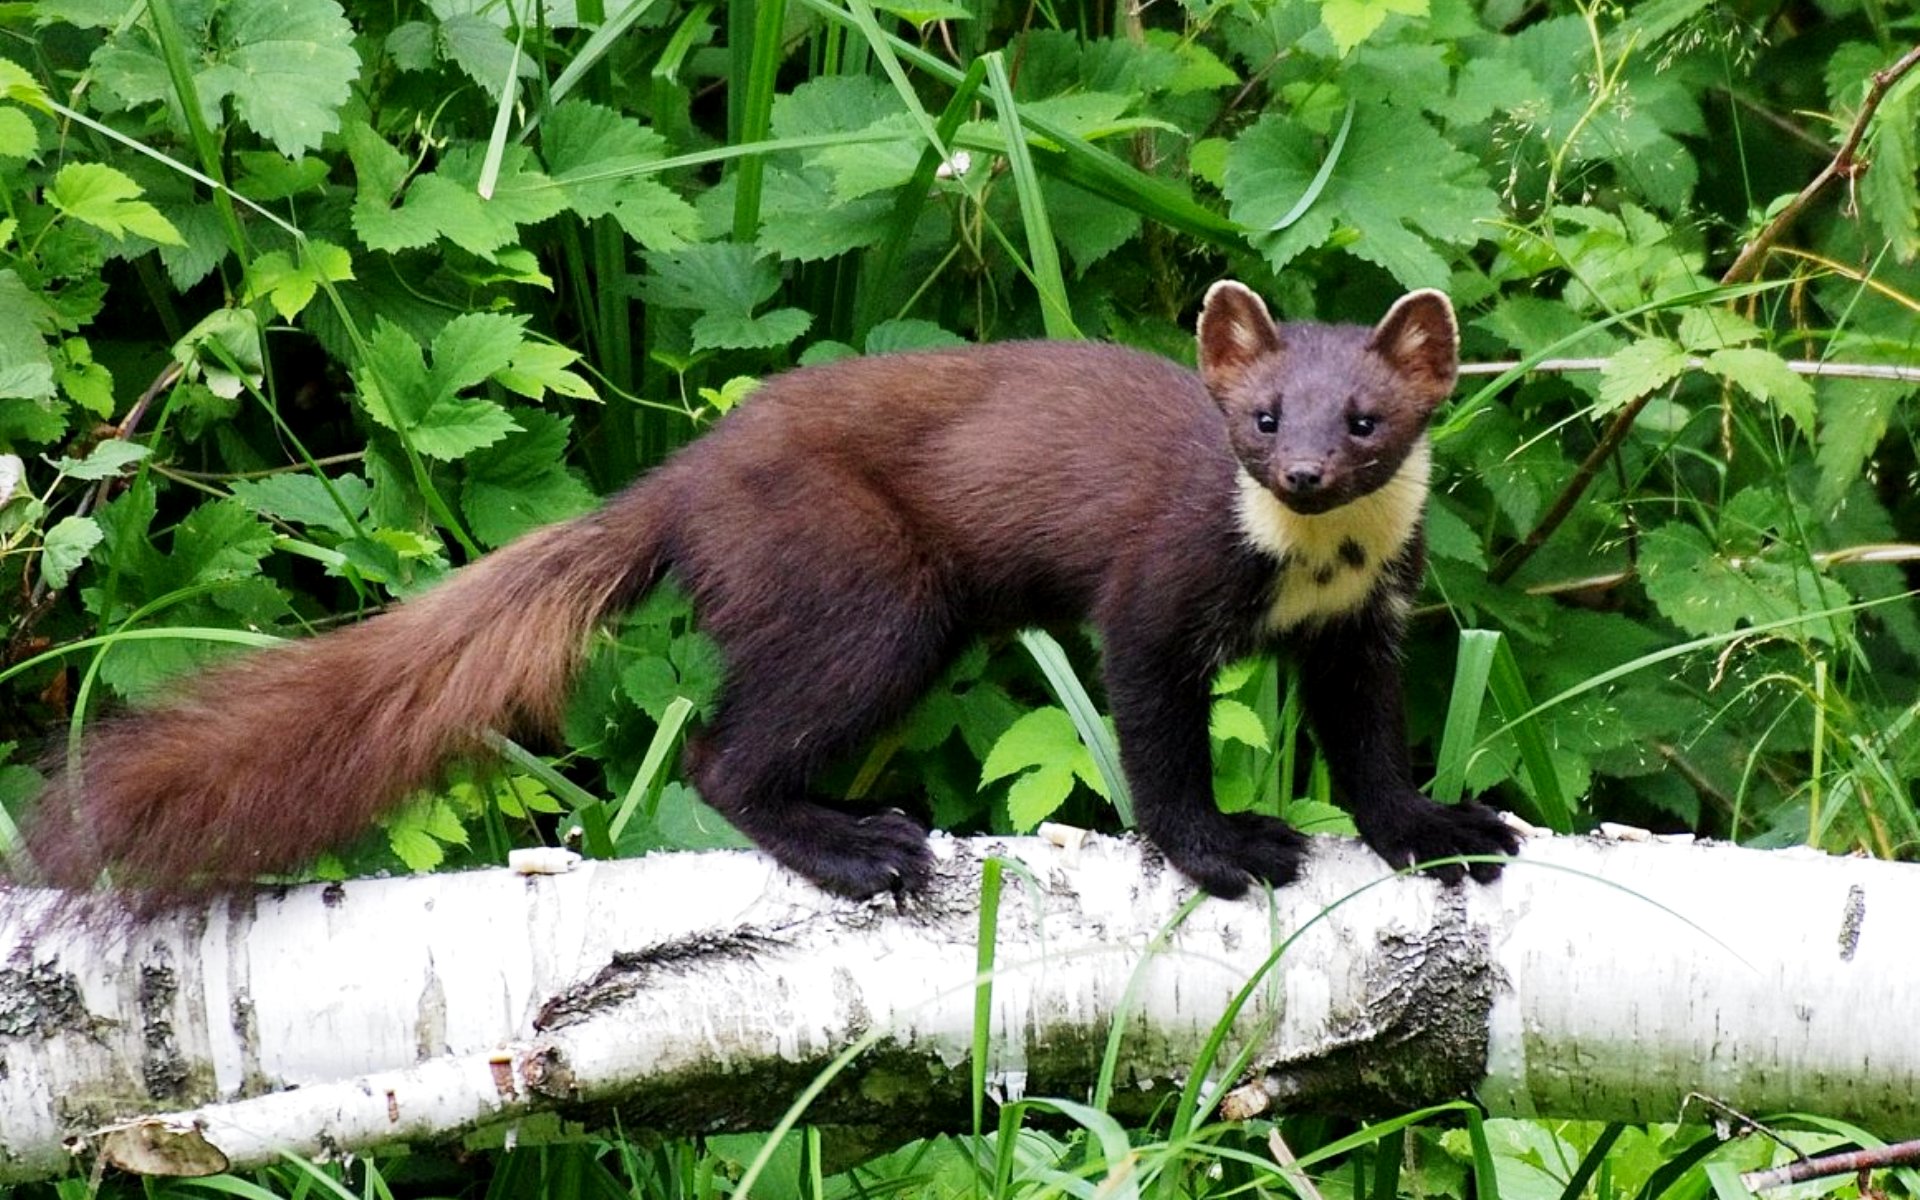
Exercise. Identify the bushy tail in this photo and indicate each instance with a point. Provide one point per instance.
(258, 765)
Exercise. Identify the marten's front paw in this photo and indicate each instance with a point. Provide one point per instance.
(1234, 851)
(1417, 830)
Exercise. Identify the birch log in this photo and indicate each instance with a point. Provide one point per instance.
(689, 993)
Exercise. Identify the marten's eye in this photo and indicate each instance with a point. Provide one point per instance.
(1362, 426)
(1266, 421)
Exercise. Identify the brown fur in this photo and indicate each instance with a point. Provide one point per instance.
(843, 534)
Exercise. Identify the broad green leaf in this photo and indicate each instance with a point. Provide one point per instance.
(1639, 368)
(910, 334)
(1704, 592)
(303, 500)
(541, 367)
(1036, 795)
(106, 460)
(1234, 721)
(472, 347)
(1765, 375)
(1398, 191)
(586, 147)
(1354, 21)
(738, 331)
(65, 547)
(289, 67)
(1043, 737)
(453, 428)
(18, 137)
(107, 199)
(290, 286)
(522, 482)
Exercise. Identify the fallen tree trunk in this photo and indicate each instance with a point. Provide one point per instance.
(692, 993)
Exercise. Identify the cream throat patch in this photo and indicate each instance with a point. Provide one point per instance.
(1329, 563)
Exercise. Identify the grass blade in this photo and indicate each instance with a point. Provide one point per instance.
(1100, 743)
(1042, 250)
(1470, 671)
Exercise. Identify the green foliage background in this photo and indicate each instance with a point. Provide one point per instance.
(303, 305)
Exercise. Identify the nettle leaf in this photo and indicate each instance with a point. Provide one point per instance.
(1854, 417)
(1639, 368)
(1890, 194)
(290, 65)
(472, 347)
(97, 195)
(1715, 328)
(1354, 21)
(910, 333)
(1398, 190)
(832, 104)
(65, 547)
(1765, 375)
(447, 203)
(802, 219)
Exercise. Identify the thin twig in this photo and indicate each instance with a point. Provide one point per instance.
(1745, 265)
(1799, 366)
(1846, 1163)
(1843, 165)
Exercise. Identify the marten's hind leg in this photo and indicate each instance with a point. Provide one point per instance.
(801, 692)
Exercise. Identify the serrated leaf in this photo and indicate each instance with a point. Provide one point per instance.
(106, 460)
(1705, 593)
(1398, 189)
(107, 199)
(910, 333)
(1234, 721)
(1765, 375)
(470, 348)
(290, 286)
(454, 428)
(521, 482)
(1044, 736)
(541, 367)
(736, 331)
(1037, 795)
(292, 67)
(303, 500)
(18, 137)
(65, 546)
(1354, 21)
(1715, 328)
(711, 277)
(1639, 368)
(585, 146)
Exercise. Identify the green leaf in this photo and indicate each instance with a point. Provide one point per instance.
(1036, 795)
(1765, 375)
(290, 286)
(1639, 368)
(910, 334)
(289, 65)
(106, 460)
(65, 546)
(1398, 191)
(106, 199)
(1235, 721)
(1705, 593)
(1043, 737)
(586, 147)
(1354, 21)
(737, 331)
(303, 500)
(522, 482)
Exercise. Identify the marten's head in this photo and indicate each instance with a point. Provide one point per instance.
(1321, 415)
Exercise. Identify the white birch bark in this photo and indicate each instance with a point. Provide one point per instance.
(696, 992)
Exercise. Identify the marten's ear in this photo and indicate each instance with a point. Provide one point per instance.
(1235, 332)
(1420, 341)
